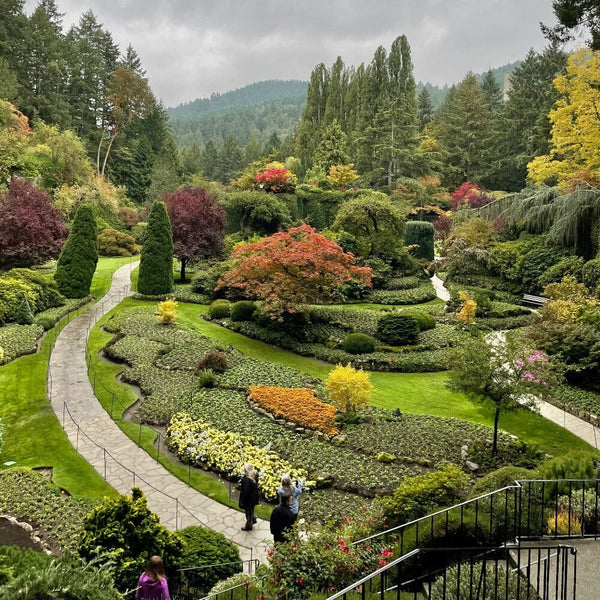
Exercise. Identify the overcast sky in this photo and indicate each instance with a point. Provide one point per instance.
(192, 48)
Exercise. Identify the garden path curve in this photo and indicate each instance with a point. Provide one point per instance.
(114, 455)
(582, 429)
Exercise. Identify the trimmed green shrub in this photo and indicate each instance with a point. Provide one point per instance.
(420, 233)
(358, 343)
(500, 478)
(591, 274)
(203, 546)
(203, 283)
(79, 256)
(126, 532)
(12, 292)
(568, 266)
(112, 242)
(243, 310)
(43, 286)
(220, 309)
(398, 329)
(216, 361)
(425, 320)
(419, 495)
(156, 261)
(24, 314)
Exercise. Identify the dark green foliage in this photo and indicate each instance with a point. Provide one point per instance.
(358, 343)
(500, 478)
(398, 329)
(203, 546)
(24, 314)
(420, 233)
(36, 576)
(591, 274)
(78, 258)
(43, 286)
(256, 212)
(215, 361)
(420, 495)
(203, 283)
(568, 266)
(425, 320)
(125, 530)
(156, 262)
(220, 309)
(243, 310)
(112, 242)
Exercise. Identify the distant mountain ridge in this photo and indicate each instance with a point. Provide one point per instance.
(261, 109)
(254, 93)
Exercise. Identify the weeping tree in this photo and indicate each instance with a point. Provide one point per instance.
(569, 218)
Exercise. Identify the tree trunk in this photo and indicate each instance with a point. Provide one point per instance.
(496, 419)
(110, 143)
(183, 261)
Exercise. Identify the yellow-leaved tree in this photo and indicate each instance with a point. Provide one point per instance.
(342, 176)
(575, 142)
(468, 308)
(349, 388)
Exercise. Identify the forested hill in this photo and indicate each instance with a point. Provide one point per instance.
(258, 109)
(261, 109)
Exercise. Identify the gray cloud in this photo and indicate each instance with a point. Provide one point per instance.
(192, 48)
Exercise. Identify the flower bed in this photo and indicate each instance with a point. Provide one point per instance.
(299, 405)
(17, 340)
(227, 452)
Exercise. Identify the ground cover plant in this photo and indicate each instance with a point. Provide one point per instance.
(369, 458)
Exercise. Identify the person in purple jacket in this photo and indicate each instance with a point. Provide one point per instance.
(152, 584)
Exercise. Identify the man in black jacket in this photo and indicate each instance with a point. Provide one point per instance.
(282, 518)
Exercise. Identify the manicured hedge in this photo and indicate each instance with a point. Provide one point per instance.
(242, 310)
(220, 309)
(358, 343)
(398, 329)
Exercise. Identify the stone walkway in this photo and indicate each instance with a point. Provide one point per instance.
(114, 455)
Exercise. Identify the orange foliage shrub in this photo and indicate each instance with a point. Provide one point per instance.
(300, 405)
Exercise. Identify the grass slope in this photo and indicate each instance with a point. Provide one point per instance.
(34, 436)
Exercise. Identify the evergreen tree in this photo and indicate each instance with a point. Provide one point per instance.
(132, 62)
(210, 159)
(491, 91)
(462, 129)
(272, 146)
(336, 91)
(165, 173)
(425, 108)
(332, 147)
(24, 315)
(77, 261)
(156, 261)
(190, 158)
(252, 150)
(229, 160)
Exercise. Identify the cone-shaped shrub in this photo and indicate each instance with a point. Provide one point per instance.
(78, 258)
(420, 233)
(156, 262)
(24, 313)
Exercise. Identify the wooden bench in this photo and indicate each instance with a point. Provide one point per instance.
(534, 301)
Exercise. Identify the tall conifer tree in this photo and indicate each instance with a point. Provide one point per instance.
(156, 262)
(79, 256)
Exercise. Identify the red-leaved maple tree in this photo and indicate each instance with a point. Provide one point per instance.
(470, 195)
(198, 224)
(275, 180)
(31, 228)
(290, 268)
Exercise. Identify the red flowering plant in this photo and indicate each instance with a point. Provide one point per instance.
(275, 180)
(320, 562)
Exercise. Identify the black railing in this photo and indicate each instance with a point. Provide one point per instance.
(532, 509)
(508, 573)
(192, 578)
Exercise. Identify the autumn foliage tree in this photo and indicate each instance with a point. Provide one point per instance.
(291, 268)
(198, 225)
(31, 228)
(575, 124)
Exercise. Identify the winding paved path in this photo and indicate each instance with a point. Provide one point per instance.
(114, 455)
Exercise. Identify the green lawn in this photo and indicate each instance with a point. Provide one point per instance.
(33, 434)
